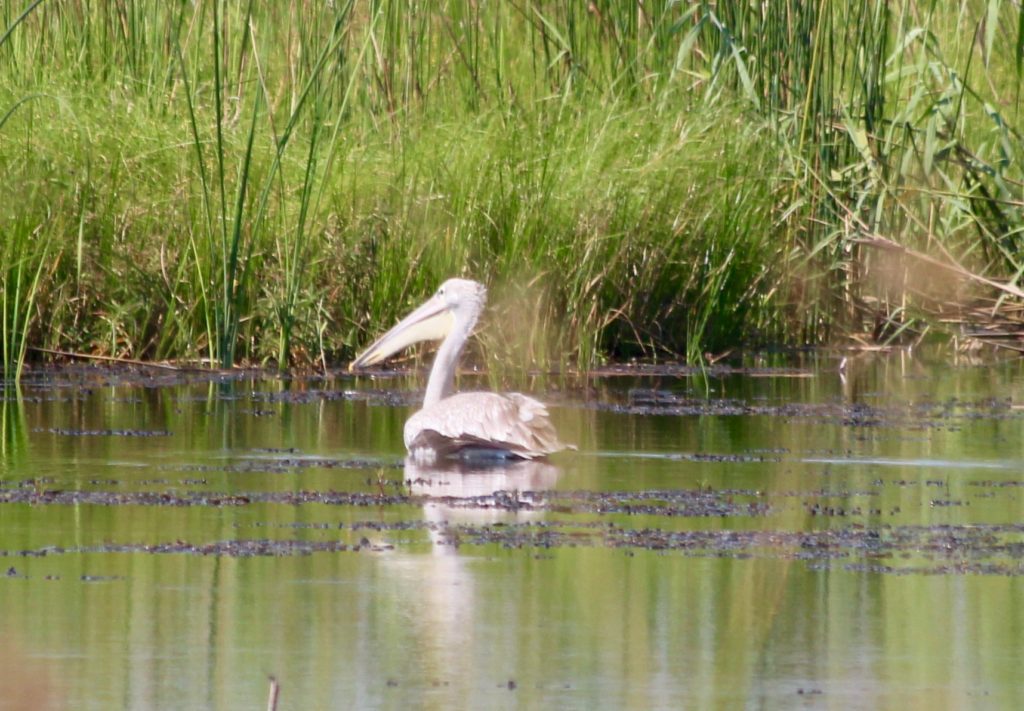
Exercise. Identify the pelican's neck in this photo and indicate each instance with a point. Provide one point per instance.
(442, 374)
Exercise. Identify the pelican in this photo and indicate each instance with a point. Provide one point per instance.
(462, 425)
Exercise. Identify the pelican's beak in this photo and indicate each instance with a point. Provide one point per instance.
(430, 322)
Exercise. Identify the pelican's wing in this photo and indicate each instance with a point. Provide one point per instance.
(513, 423)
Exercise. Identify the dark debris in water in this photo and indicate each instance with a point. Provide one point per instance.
(989, 550)
(92, 375)
(280, 465)
(394, 398)
(952, 413)
(244, 548)
(37, 496)
(903, 550)
(669, 502)
(652, 502)
(73, 380)
(576, 519)
(102, 433)
(630, 521)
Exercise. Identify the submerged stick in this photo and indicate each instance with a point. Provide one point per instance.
(275, 689)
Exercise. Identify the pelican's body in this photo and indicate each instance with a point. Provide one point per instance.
(463, 424)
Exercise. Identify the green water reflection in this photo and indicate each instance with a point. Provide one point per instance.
(416, 611)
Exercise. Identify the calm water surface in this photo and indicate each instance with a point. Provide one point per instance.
(781, 539)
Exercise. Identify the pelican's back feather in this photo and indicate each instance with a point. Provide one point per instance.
(512, 423)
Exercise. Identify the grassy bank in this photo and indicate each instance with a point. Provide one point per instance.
(275, 182)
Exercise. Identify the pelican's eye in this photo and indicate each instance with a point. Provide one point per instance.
(440, 292)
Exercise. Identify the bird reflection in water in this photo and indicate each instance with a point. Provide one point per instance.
(474, 494)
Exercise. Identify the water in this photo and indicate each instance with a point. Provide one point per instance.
(782, 539)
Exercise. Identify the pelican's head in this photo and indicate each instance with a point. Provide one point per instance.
(456, 304)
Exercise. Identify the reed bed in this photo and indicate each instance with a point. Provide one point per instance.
(228, 181)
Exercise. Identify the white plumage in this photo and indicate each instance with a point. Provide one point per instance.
(513, 424)
(470, 424)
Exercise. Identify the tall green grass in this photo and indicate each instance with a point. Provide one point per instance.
(273, 182)
(23, 256)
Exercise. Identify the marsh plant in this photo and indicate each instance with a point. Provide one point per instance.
(228, 181)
